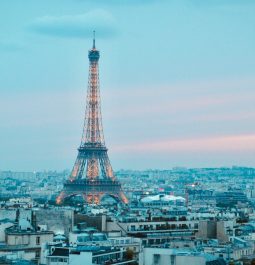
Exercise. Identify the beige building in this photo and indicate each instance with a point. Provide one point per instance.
(214, 229)
(25, 241)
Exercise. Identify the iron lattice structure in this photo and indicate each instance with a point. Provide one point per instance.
(92, 175)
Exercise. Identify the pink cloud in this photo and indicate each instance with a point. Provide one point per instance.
(182, 98)
(227, 143)
(213, 117)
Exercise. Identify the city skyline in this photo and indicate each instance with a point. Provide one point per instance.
(177, 90)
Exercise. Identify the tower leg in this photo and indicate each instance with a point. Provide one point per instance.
(61, 197)
(123, 197)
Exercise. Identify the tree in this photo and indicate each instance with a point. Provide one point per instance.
(129, 255)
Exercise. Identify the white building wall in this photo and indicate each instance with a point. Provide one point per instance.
(148, 256)
(28, 240)
(80, 259)
(3, 226)
(164, 256)
(73, 238)
(188, 260)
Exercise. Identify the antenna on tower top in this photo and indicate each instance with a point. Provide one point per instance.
(94, 39)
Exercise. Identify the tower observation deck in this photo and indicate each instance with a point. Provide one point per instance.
(92, 175)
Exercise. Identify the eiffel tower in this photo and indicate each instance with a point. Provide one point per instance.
(92, 175)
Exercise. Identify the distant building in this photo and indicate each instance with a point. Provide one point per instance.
(162, 200)
(89, 255)
(56, 219)
(25, 238)
(163, 256)
(214, 229)
(230, 198)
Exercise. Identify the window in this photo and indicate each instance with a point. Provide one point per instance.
(172, 258)
(37, 254)
(156, 258)
(37, 240)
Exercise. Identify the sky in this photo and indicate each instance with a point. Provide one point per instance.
(177, 82)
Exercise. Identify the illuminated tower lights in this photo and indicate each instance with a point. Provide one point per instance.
(92, 175)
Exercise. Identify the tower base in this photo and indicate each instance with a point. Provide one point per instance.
(92, 191)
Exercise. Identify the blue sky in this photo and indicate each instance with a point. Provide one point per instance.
(177, 81)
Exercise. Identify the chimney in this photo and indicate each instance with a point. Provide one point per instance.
(33, 221)
(17, 216)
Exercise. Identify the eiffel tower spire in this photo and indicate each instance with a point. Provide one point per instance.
(92, 175)
(93, 128)
(94, 39)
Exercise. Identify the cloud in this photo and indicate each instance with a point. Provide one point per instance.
(182, 105)
(77, 26)
(227, 143)
(213, 100)
(11, 46)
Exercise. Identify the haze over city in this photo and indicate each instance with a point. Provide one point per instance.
(177, 82)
